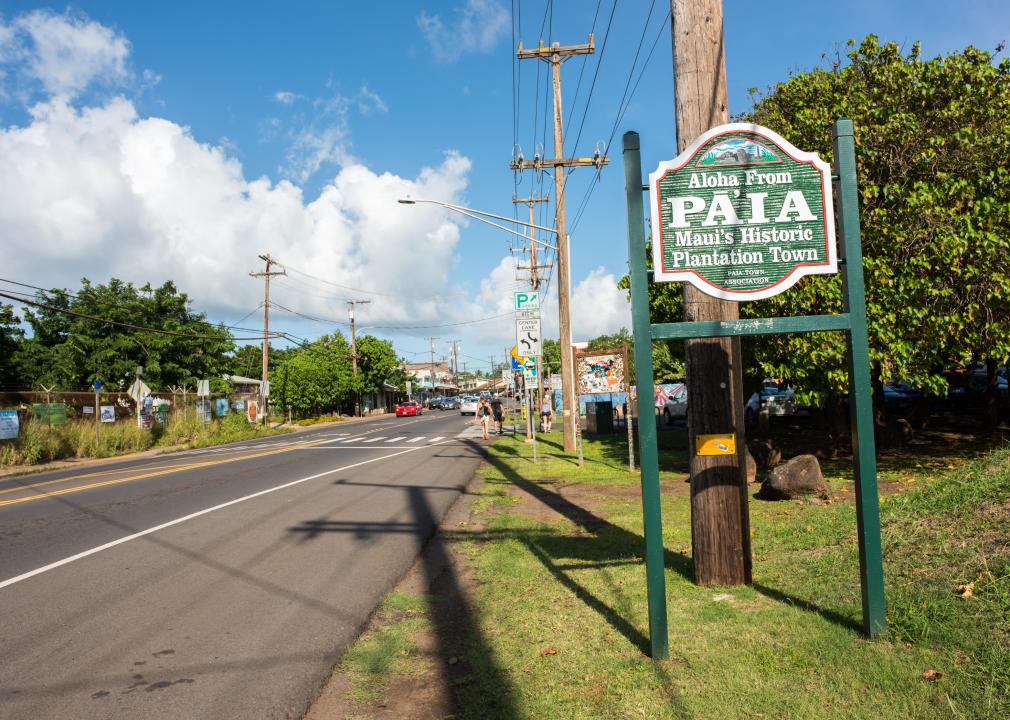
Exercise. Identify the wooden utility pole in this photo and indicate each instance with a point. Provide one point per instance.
(354, 351)
(555, 55)
(266, 275)
(454, 344)
(720, 528)
(431, 343)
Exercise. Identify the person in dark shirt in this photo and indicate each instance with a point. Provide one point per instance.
(498, 410)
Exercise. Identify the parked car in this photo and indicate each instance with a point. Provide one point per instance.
(675, 407)
(450, 403)
(772, 399)
(409, 409)
(435, 403)
(898, 396)
(468, 405)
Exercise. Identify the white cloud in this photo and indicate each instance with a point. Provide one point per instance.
(64, 53)
(103, 192)
(599, 307)
(477, 27)
(284, 97)
(369, 102)
(318, 132)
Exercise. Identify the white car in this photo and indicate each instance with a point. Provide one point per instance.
(675, 407)
(468, 405)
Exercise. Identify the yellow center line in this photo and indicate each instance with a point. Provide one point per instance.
(163, 470)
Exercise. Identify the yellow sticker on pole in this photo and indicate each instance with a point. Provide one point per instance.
(723, 444)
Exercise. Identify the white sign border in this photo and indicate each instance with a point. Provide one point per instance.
(830, 268)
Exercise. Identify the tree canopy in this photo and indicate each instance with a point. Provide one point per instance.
(932, 138)
(71, 344)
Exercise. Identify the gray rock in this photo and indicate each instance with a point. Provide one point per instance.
(766, 453)
(751, 467)
(798, 477)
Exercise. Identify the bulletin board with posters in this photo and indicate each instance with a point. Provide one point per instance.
(602, 371)
(599, 372)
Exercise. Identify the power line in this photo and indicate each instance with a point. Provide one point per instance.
(622, 110)
(592, 87)
(132, 326)
(330, 282)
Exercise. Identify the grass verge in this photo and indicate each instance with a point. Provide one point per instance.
(559, 626)
(77, 439)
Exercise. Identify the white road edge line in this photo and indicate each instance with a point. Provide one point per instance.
(198, 513)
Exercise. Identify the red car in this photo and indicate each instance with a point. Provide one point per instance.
(411, 407)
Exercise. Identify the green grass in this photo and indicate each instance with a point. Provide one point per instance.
(77, 439)
(560, 613)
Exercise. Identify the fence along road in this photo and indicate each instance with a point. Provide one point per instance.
(221, 584)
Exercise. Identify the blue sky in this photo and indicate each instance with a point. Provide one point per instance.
(179, 140)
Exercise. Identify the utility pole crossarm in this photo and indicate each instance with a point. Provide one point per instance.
(539, 164)
(544, 52)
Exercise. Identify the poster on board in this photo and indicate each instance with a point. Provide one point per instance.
(601, 373)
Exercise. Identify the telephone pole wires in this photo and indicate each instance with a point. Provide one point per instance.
(555, 55)
(720, 527)
(266, 275)
(354, 351)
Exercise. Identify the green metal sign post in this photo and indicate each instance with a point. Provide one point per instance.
(734, 176)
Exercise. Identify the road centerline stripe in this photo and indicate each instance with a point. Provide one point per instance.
(119, 541)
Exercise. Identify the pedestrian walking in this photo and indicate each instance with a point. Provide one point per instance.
(546, 414)
(498, 411)
(484, 414)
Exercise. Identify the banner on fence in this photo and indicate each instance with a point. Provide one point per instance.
(9, 426)
(49, 413)
(203, 410)
(221, 406)
(108, 413)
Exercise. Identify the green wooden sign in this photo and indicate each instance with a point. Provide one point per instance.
(741, 214)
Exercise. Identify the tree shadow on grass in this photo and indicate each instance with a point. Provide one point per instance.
(605, 545)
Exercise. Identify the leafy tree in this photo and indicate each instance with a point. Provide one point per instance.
(11, 336)
(932, 142)
(378, 364)
(932, 138)
(247, 360)
(315, 378)
(70, 345)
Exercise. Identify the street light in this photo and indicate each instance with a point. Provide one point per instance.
(569, 400)
(482, 217)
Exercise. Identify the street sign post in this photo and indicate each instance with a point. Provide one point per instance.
(528, 301)
(742, 214)
(528, 338)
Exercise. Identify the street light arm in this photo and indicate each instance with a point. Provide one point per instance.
(477, 215)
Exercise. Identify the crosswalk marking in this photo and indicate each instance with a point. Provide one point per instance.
(436, 439)
(396, 438)
(417, 439)
(376, 438)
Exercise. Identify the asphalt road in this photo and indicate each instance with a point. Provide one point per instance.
(217, 583)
